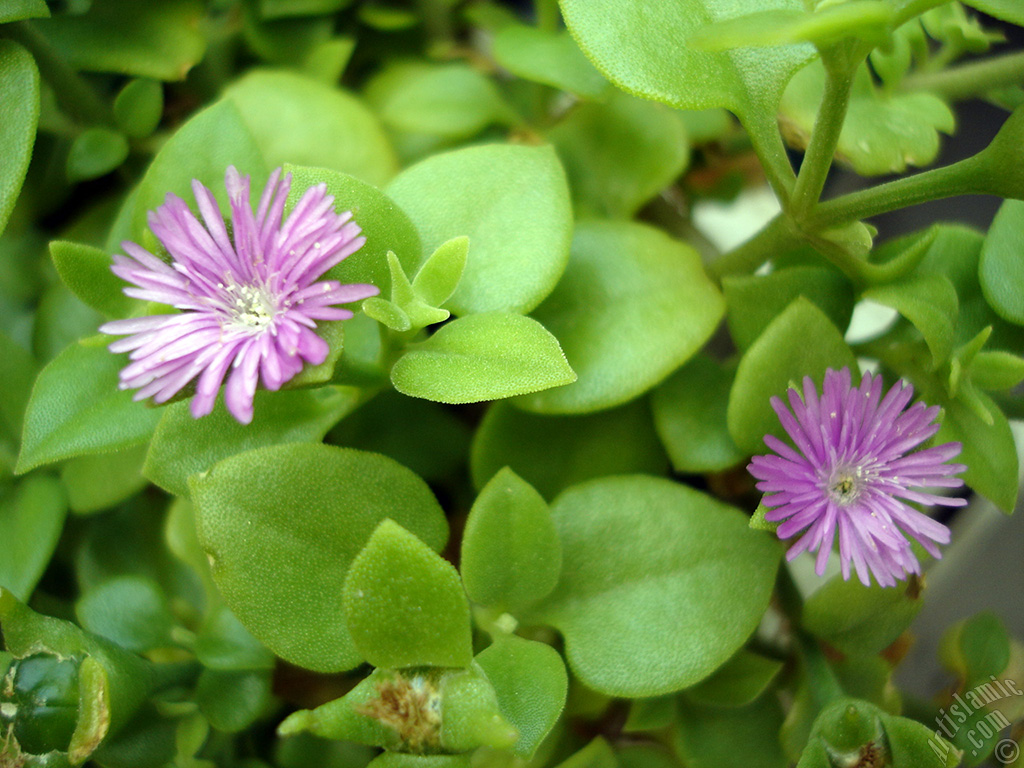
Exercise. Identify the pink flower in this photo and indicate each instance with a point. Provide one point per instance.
(249, 300)
(850, 472)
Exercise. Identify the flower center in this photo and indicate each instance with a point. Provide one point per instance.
(251, 305)
(845, 484)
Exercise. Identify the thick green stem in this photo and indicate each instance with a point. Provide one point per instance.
(971, 79)
(951, 180)
(75, 95)
(915, 8)
(777, 237)
(775, 163)
(548, 15)
(824, 139)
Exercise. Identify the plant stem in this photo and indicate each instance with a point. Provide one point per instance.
(548, 15)
(956, 179)
(776, 237)
(73, 92)
(824, 138)
(775, 163)
(915, 8)
(970, 79)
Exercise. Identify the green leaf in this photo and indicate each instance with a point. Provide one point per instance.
(223, 643)
(737, 683)
(625, 324)
(1000, 271)
(15, 10)
(884, 132)
(439, 276)
(531, 683)
(262, 511)
(403, 760)
(641, 47)
(19, 92)
(127, 37)
(479, 357)
(976, 648)
(275, 9)
(781, 355)
(859, 619)
(299, 121)
(989, 450)
(85, 270)
(96, 152)
(386, 313)
(232, 701)
(31, 519)
(201, 149)
(404, 604)
(76, 408)
(139, 107)
(552, 58)
(490, 193)
(511, 555)
(828, 24)
(385, 226)
(451, 100)
(1007, 10)
(754, 301)
(660, 584)
(597, 754)
(997, 370)
(689, 414)
(129, 610)
(62, 320)
(99, 482)
(554, 452)
(745, 737)
(17, 375)
(619, 153)
(930, 303)
(183, 446)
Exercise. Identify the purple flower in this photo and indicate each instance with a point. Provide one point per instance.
(249, 299)
(850, 472)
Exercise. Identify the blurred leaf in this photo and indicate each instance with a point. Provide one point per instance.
(779, 356)
(1000, 271)
(859, 619)
(531, 683)
(553, 452)
(552, 58)
(262, 511)
(405, 605)
(200, 150)
(139, 107)
(930, 303)
(640, 46)
(96, 152)
(223, 643)
(619, 153)
(100, 481)
(625, 324)
(183, 446)
(19, 92)
(997, 370)
(737, 683)
(294, 119)
(489, 193)
(130, 611)
(480, 357)
(884, 132)
(76, 408)
(161, 41)
(232, 701)
(31, 519)
(689, 414)
(510, 551)
(18, 372)
(976, 648)
(660, 585)
(85, 270)
(452, 100)
(744, 737)
(597, 754)
(272, 9)
(15, 10)
(426, 437)
(755, 300)
(61, 320)
(1007, 10)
